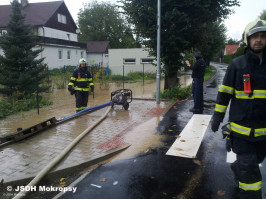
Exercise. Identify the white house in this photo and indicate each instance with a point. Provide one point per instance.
(98, 52)
(57, 31)
(133, 60)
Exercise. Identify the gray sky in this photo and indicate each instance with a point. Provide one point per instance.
(248, 11)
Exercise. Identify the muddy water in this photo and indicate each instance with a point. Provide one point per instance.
(64, 103)
(143, 138)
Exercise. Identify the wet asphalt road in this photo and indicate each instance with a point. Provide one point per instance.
(154, 175)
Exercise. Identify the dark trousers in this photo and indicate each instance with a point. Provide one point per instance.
(197, 89)
(249, 156)
(81, 100)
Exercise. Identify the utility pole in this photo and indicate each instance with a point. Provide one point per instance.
(158, 81)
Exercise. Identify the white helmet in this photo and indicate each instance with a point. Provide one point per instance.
(253, 27)
(82, 61)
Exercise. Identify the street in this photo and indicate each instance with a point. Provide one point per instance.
(152, 174)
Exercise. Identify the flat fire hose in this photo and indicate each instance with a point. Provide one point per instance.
(56, 160)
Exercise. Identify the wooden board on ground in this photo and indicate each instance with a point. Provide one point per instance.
(188, 143)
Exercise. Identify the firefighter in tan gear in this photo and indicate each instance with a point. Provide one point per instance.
(245, 85)
(81, 84)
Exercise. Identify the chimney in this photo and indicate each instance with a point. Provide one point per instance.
(24, 3)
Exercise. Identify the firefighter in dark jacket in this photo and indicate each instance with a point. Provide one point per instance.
(245, 85)
(198, 71)
(81, 84)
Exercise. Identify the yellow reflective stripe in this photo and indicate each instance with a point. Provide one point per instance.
(73, 78)
(91, 83)
(220, 108)
(241, 95)
(81, 108)
(252, 186)
(258, 94)
(240, 129)
(246, 131)
(70, 83)
(90, 79)
(260, 132)
(226, 89)
(82, 89)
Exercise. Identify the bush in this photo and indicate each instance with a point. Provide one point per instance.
(177, 92)
(229, 58)
(102, 79)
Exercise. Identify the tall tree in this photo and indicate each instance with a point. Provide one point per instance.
(103, 22)
(19, 66)
(182, 28)
(212, 40)
(263, 15)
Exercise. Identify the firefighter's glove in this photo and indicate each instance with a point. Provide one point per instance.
(92, 88)
(226, 130)
(228, 144)
(71, 90)
(215, 125)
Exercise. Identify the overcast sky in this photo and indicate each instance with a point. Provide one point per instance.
(248, 11)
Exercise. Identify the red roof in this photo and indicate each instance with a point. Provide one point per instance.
(230, 49)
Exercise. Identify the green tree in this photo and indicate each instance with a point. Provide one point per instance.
(212, 40)
(182, 28)
(19, 65)
(263, 15)
(103, 22)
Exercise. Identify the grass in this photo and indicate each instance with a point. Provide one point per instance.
(208, 73)
(134, 76)
(10, 105)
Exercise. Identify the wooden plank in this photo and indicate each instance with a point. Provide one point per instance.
(188, 143)
(24, 133)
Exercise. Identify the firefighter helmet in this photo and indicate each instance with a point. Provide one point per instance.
(253, 27)
(82, 61)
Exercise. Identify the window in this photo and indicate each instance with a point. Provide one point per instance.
(68, 54)
(146, 60)
(61, 18)
(81, 54)
(68, 36)
(2, 32)
(129, 60)
(60, 54)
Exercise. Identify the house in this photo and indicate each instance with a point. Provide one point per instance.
(57, 32)
(230, 49)
(98, 52)
(133, 60)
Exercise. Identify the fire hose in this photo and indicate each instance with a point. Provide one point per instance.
(53, 163)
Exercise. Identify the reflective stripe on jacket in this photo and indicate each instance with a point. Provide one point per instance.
(81, 80)
(247, 111)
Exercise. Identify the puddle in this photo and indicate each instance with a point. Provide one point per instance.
(142, 139)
